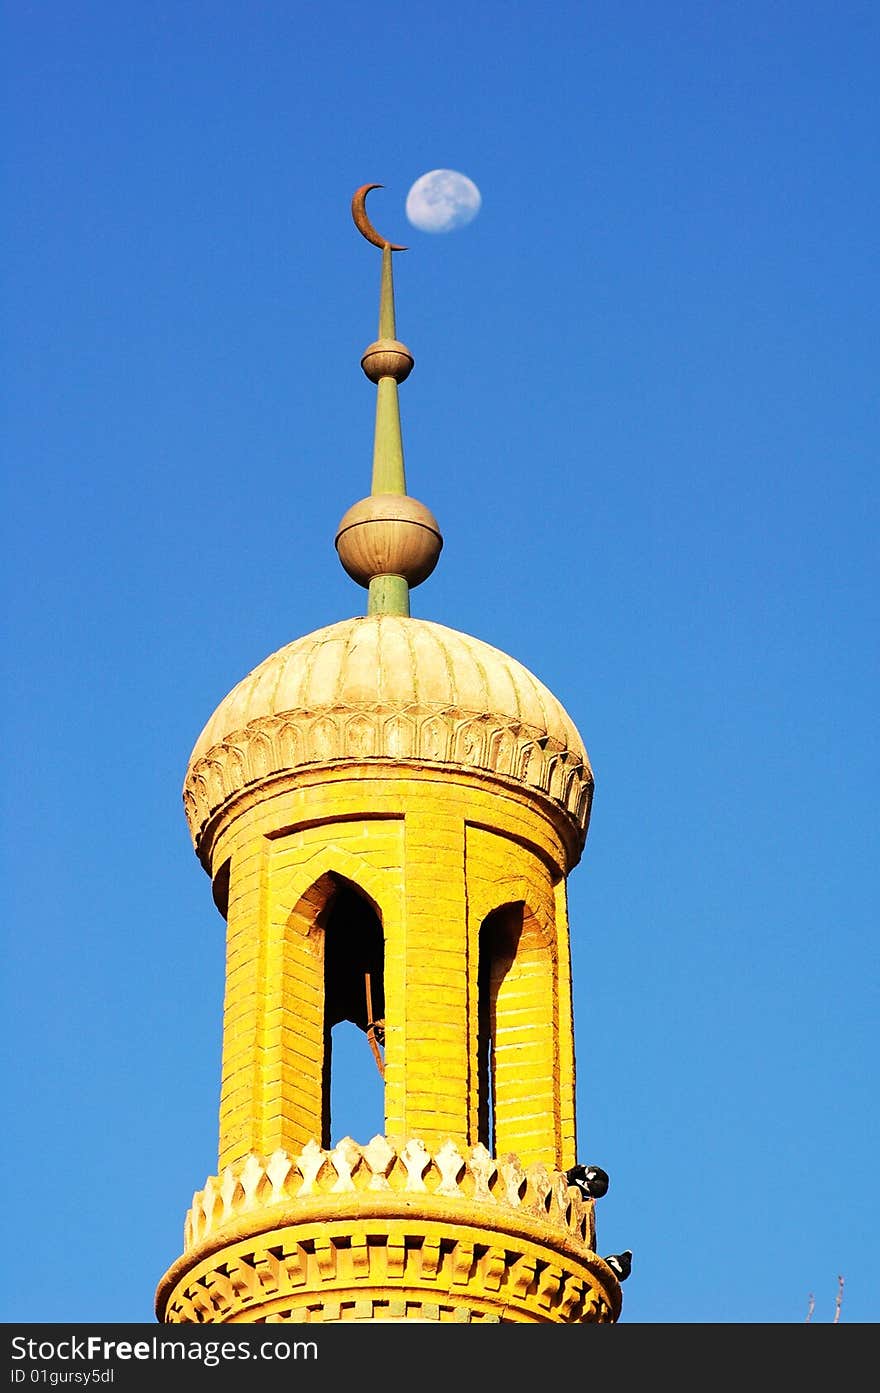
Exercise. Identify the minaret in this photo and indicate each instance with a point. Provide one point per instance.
(389, 810)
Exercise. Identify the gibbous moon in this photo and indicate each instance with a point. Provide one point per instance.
(442, 200)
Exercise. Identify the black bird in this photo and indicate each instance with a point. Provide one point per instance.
(592, 1181)
(620, 1264)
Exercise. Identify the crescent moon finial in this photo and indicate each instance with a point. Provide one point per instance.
(362, 222)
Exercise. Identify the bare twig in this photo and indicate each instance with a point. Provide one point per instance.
(811, 1306)
(839, 1302)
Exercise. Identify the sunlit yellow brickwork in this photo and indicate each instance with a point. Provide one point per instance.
(419, 846)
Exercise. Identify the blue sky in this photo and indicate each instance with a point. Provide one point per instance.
(644, 412)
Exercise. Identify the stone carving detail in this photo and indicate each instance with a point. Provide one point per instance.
(311, 1163)
(451, 1167)
(383, 1165)
(274, 745)
(278, 1168)
(416, 1159)
(380, 1157)
(484, 1170)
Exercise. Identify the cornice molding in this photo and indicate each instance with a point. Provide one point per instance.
(427, 735)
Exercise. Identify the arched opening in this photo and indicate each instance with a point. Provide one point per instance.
(499, 935)
(354, 1007)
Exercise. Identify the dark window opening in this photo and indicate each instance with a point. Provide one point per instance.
(354, 996)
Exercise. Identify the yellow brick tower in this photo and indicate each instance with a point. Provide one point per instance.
(388, 811)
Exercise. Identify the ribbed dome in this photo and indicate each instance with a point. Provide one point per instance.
(394, 661)
(388, 687)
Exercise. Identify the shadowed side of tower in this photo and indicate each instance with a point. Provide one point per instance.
(388, 810)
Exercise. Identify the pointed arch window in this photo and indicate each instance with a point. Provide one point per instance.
(354, 989)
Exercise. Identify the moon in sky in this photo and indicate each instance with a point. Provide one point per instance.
(442, 200)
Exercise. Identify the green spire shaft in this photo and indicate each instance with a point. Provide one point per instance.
(388, 595)
(387, 327)
(388, 469)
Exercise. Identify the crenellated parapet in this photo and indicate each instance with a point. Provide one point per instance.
(388, 1231)
(384, 1169)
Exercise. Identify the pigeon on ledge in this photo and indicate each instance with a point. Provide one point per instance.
(620, 1264)
(592, 1181)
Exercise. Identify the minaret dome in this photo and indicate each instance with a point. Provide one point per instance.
(382, 689)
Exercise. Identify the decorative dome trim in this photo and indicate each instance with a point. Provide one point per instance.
(387, 688)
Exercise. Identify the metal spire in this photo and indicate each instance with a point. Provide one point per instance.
(388, 542)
